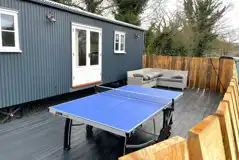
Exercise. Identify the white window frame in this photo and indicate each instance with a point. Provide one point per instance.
(16, 48)
(119, 51)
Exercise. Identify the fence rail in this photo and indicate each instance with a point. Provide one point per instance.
(208, 73)
(215, 137)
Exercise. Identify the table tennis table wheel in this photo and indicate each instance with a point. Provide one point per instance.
(169, 131)
(89, 131)
(169, 134)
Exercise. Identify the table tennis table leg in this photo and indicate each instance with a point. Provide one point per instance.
(167, 123)
(67, 134)
(125, 144)
(89, 131)
(171, 120)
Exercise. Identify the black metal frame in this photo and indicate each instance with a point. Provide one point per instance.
(167, 123)
(164, 133)
(11, 113)
(67, 133)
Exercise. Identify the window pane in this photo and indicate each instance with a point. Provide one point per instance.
(122, 39)
(81, 47)
(94, 48)
(122, 42)
(8, 39)
(116, 38)
(117, 46)
(7, 22)
(121, 46)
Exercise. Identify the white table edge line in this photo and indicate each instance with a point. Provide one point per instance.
(87, 120)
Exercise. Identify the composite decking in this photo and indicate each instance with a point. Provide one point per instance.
(39, 136)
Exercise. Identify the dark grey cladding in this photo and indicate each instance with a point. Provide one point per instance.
(44, 68)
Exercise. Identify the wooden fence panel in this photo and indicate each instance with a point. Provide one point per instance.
(187, 68)
(228, 98)
(234, 84)
(144, 61)
(214, 73)
(192, 73)
(227, 132)
(205, 140)
(225, 73)
(172, 149)
(202, 72)
(233, 102)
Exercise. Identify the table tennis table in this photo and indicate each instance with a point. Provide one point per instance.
(121, 111)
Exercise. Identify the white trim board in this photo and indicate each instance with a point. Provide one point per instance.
(85, 13)
(15, 48)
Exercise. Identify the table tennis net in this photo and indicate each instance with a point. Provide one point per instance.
(134, 95)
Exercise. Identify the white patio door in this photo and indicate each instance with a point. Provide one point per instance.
(86, 55)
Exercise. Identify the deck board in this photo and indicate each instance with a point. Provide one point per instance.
(40, 135)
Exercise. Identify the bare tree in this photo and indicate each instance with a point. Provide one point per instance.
(153, 11)
(94, 6)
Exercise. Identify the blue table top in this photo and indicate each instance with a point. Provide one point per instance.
(115, 111)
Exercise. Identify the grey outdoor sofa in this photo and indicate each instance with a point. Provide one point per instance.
(152, 77)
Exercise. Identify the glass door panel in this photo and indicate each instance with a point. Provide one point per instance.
(80, 47)
(94, 48)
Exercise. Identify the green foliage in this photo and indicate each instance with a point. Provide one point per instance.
(187, 34)
(219, 47)
(166, 39)
(93, 6)
(129, 10)
(203, 15)
(67, 2)
(149, 39)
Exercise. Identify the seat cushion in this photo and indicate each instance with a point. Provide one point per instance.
(153, 75)
(177, 76)
(149, 80)
(167, 79)
(164, 78)
(176, 80)
(145, 77)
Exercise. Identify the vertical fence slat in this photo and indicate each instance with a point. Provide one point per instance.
(216, 67)
(174, 148)
(227, 131)
(200, 73)
(205, 140)
(204, 67)
(227, 98)
(230, 90)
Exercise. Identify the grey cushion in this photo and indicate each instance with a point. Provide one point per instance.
(153, 75)
(176, 80)
(157, 74)
(170, 79)
(177, 76)
(149, 80)
(164, 79)
(145, 77)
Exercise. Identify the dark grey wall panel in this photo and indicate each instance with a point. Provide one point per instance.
(44, 67)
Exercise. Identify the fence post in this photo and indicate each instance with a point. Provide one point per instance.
(205, 140)
(174, 149)
(227, 132)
